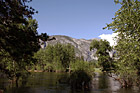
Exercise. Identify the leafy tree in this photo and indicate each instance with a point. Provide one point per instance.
(127, 24)
(103, 47)
(40, 57)
(15, 66)
(49, 57)
(69, 55)
(44, 59)
(81, 74)
(55, 57)
(15, 40)
(58, 57)
(82, 65)
(18, 39)
(80, 79)
(64, 54)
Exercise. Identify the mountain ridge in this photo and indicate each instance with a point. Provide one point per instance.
(82, 46)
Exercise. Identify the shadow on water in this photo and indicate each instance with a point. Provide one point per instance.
(104, 84)
(45, 82)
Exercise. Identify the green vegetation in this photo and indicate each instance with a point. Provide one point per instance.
(127, 25)
(18, 38)
(61, 58)
(19, 41)
(19, 45)
(80, 79)
(103, 48)
(55, 58)
(82, 65)
(18, 33)
(82, 74)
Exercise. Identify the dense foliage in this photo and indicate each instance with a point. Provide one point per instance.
(55, 57)
(82, 74)
(80, 79)
(82, 65)
(19, 41)
(127, 25)
(102, 48)
(18, 37)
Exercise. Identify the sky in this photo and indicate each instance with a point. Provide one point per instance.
(75, 18)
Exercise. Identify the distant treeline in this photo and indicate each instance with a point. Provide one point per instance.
(59, 58)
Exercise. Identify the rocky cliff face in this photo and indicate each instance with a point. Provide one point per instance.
(82, 46)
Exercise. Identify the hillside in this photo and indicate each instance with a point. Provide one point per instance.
(82, 46)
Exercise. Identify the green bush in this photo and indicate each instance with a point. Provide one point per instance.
(82, 65)
(80, 79)
(55, 57)
(81, 75)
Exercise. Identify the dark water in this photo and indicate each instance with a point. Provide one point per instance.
(56, 83)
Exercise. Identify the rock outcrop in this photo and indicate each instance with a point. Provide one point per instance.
(82, 46)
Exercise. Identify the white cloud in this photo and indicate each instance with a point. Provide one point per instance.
(109, 38)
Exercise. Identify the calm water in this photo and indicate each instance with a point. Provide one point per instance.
(56, 83)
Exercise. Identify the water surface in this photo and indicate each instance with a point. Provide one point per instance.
(44, 82)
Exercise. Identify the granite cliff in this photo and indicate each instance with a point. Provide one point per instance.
(82, 46)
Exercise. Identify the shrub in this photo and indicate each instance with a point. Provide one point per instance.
(80, 79)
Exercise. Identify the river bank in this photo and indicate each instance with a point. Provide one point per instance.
(50, 82)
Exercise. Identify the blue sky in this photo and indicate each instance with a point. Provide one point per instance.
(74, 18)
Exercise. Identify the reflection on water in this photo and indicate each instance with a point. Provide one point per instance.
(56, 83)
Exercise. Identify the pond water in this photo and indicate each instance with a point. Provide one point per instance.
(44, 82)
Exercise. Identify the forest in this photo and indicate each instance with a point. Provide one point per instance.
(21, 54)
